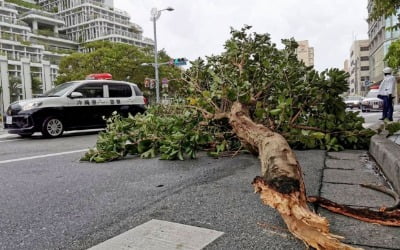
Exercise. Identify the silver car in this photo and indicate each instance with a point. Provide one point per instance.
(371, 102)
(353, 101)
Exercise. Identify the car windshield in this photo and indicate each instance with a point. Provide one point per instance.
(372, 94)
(60, 90)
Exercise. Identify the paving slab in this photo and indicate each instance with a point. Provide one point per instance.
(158, 234)
(363, 234)
(312, 164)
(347, 154)
(359, 176)
(344, 164)
(355, 195)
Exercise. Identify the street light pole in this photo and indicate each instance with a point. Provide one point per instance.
(155, 14)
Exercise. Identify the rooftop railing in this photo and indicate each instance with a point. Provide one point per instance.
(118, 11)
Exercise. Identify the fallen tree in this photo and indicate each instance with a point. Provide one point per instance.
(257, 97)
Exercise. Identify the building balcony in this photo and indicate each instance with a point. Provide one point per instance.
(50, 33)
(127, 35)
(136, 27)
(41, 17)
(10, 20)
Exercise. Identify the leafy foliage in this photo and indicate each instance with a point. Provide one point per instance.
(122, 61)
(14, 83)
(279, 90)
(384, 8)
(24, 4)
(173, 132)
(36, 85)
(393, 55)
(393, 127)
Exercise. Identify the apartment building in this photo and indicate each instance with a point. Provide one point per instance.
(305, 53)
(380, 40)
(359, 68)
(92, 20)
(36, 34)
(346, 67)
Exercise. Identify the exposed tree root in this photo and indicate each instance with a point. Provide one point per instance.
(387, 218)
(385, 190)
(282, 185)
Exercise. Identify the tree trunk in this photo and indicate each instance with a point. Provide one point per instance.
(281, 185)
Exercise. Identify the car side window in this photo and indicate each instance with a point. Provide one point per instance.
(91, 90)
(119, 90)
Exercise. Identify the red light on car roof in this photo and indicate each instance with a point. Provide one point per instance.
(99, 76)
(374, 87)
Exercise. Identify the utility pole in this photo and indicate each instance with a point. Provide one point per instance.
(155, 14)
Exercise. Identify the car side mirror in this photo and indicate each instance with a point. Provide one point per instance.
(74, 95)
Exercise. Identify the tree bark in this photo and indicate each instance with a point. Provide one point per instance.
(281, 185)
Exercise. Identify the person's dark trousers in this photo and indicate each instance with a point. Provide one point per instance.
(389, 113)
(386, 101)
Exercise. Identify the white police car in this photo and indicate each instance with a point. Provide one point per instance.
(72, 106)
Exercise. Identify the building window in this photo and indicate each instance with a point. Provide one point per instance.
(364, 58)
(364, 48)
(364, 68)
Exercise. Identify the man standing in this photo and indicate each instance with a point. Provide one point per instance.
(387, 93)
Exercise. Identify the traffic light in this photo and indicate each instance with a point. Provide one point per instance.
(180, 61)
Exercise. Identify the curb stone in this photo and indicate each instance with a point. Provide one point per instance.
(387, 154)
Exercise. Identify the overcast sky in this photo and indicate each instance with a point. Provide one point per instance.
(198, 28)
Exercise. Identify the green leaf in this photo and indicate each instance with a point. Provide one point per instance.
(180, 156)
(305, 132)
(275, 111)
(318, 135)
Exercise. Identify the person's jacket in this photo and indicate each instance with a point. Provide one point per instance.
(388, 86)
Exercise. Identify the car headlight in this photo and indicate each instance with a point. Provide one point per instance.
(31, 105)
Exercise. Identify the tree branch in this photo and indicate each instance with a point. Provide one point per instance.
(309, 128)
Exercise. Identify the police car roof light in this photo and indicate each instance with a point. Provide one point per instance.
(99, 76)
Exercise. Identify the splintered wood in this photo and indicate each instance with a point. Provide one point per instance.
(281, 185)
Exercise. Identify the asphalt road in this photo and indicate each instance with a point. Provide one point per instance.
(373, 117)
(50, 200)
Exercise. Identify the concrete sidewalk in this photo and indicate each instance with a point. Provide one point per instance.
(343, 173)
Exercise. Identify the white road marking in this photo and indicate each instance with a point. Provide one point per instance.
(371, 114)
(5, 135)
(43, 156)
(10, 140)
(158, 234)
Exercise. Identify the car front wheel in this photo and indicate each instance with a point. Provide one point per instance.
(52, 127)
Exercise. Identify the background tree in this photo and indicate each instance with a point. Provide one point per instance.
(14, 85)
(385, 8)
(36, 85)
(123, 61)
(393, 55)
